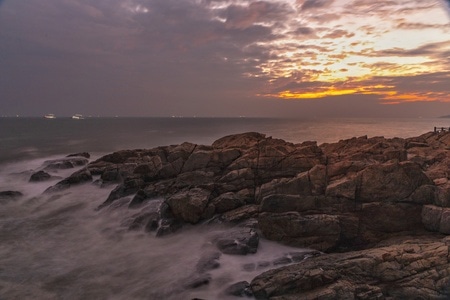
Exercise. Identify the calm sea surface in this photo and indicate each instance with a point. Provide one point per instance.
(57, 246)
(24, 138)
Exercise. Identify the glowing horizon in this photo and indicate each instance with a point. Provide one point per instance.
(350, 51)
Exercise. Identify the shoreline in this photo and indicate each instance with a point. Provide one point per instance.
(374, 208)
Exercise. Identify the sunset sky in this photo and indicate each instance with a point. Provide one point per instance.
(293, 58)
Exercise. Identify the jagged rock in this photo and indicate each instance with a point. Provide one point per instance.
(81, 176)
(414, 269)
(189, 205)
(40, 176)
(342, 196)
(390, 181)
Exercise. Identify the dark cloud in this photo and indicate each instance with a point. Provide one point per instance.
(338, 33)
(304, 31)
(435, 50)
(243, 16)
(313, 4)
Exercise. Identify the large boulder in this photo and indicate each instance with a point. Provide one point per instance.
(189, 205)
(390, 181)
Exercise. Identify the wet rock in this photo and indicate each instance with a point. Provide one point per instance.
(196, 280)
(209, 261)
(240, 241)
(138, 199)
(239, 289)
(79, 177)
(40, 176)
(80, 154)
(295, 257)
(6, 196)
(65, 163)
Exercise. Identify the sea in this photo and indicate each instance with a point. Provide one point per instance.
(59, 246)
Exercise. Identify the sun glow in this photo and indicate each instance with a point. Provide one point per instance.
(344, 53)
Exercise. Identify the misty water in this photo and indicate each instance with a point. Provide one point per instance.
(59, 246)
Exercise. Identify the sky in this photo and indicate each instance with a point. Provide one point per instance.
(225, 58)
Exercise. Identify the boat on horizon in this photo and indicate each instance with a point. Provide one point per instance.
(50, 116)
(77, 117)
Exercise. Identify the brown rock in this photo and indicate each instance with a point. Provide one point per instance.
(320, 232)
(410, 270)
(189, 205)
(390, 181)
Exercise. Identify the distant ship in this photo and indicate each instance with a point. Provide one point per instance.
(49, 116)
(77, 117)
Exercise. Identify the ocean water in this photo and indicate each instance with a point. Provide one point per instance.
(57, 246)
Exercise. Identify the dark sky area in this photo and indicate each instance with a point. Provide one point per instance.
(211, 58)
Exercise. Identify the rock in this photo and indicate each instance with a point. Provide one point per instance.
(240, 241)
(226, 202)
(195, 281)
(6, 196)
(80, 154)
(239, 289)
(353, 196)
(410, 270)
(431, 217)
(244, 140)
(138, 199)
(189, 205)
(40, 176)
(321, 232)
(240, 214)
(81, 176)
(286, 203)
(209, 261)
(65, 163)
(390, 182)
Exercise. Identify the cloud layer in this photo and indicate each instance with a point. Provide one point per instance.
(218, 57)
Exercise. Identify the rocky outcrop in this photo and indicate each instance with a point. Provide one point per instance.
(339, 197)
(344, 195)
(412, 269)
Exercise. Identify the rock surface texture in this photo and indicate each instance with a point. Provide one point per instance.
(379, 208)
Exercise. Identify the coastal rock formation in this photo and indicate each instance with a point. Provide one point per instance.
(345, 198)
(413, 269)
